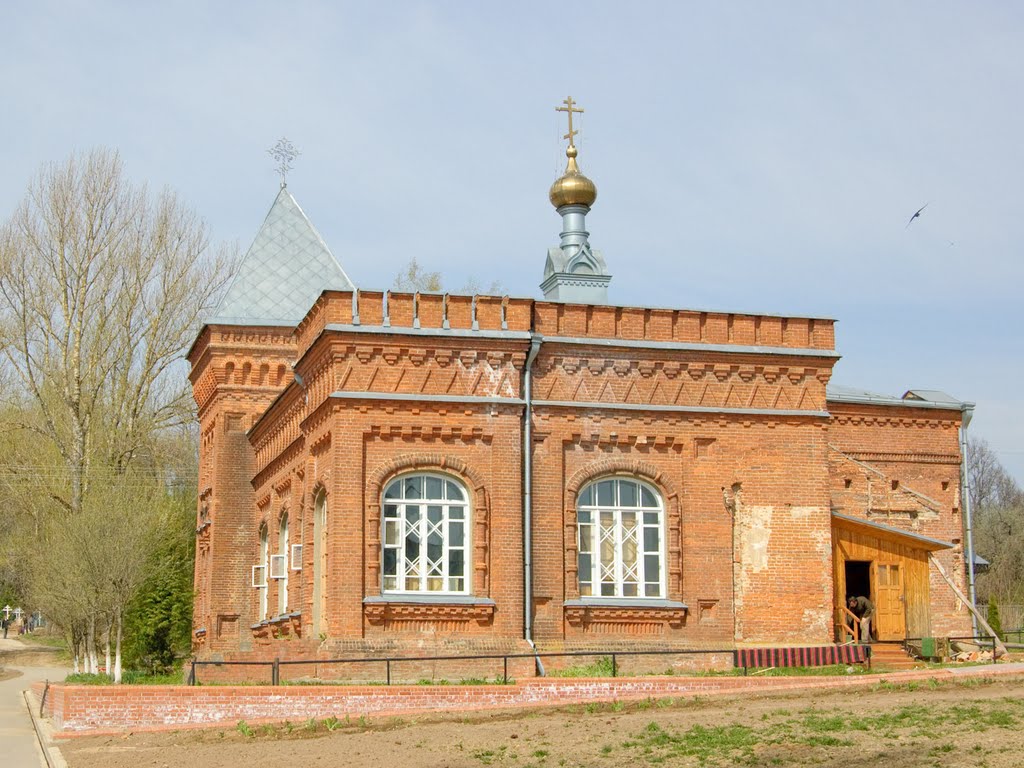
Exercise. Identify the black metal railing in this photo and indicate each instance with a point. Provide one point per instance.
(1017, 633)
(390, 662)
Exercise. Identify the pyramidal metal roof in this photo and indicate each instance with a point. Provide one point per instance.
(285, 269)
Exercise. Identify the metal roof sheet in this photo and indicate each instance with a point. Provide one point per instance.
(916, 398)
(923, 542)
(285, 269)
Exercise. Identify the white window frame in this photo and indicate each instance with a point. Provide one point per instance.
(283, 534)
(296, 557)
(618, 575)
(396, 529)
(279, 567)
(261, 571)
(264, 594)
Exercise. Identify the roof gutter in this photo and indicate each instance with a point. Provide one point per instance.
(535, 342)
(965, 502)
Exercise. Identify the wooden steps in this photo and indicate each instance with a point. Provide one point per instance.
(888, 656)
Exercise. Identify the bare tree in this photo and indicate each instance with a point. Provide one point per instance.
(998, 503)
(101, 289)
(414, 277)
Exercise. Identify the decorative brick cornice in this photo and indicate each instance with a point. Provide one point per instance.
(582, 616)
(383, 612)
(943, 420)
(905, 457)
(282, 463)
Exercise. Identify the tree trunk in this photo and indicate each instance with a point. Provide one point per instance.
(107, 649)
(117, 651)
(91, 661)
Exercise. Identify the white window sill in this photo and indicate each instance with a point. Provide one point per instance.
(625, 602)
(430, 598)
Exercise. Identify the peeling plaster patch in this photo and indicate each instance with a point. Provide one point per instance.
(817, 622)
(755, 542)
(822, 542)
(803, 512)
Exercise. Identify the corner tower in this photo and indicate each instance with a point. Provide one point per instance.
(574, 271)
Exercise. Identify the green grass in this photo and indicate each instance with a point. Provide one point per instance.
(128, 677)
(44, 640)
(831, 729)
(703, 742)
(600, 668)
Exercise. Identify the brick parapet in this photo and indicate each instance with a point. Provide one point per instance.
(452, 312)
(686, 326)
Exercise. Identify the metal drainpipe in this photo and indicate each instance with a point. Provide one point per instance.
(965, 501)
(535, 342)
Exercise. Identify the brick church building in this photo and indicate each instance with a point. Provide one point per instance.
(429, 473)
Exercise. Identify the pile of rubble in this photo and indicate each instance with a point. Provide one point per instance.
(975, 655)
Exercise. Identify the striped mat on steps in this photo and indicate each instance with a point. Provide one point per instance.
(814, 656)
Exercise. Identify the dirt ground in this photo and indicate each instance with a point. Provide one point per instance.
(963, 723)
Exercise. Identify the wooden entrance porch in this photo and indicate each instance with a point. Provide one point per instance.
(887, 565)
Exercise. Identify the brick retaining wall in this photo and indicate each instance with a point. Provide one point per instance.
(92, 709)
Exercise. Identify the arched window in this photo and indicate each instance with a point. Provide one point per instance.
(621, 531)
(282, 551)
(263, 562)
(426, 535)
(319, 562)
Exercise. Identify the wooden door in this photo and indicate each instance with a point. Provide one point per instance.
(890, 616)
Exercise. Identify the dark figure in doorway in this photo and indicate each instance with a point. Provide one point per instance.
(863, 609)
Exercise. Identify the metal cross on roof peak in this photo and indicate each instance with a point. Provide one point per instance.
(569, 108)
(284, 152)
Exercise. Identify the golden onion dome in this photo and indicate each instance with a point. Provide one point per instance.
(572, 188)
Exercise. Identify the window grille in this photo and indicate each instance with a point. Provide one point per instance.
(621, 540)
(426, 536)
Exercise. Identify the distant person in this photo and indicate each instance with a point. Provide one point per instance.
(6, 623)
(863, 609)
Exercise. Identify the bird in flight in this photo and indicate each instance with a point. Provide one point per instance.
(916, 214)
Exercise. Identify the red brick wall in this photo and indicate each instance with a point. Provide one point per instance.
(736, 444)
(900, 466)
(236, 374)
(85, 710)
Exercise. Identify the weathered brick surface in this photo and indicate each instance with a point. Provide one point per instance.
(901, 467)
(724, 414)
(87, 710)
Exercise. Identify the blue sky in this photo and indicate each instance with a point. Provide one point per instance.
(748, 156)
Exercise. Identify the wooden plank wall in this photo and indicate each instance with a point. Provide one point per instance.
(850, 545)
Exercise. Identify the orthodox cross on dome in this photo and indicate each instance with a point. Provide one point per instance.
(284, 152)
(569, 108)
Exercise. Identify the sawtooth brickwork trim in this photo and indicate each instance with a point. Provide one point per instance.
(727, 415)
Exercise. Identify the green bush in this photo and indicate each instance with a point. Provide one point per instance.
(993, 617)
(84, 678)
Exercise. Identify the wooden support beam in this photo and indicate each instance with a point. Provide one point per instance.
(1000, 649)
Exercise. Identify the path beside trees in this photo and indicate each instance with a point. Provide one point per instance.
(103, 286)
(18, 743)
